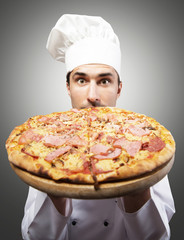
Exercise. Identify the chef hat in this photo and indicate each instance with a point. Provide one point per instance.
(81, 39)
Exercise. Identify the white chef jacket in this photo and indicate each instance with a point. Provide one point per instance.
(103, 219)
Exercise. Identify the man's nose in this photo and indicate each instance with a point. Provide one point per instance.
(93, 93)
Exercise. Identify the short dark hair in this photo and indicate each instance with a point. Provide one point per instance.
(69, 73)
(68, 78)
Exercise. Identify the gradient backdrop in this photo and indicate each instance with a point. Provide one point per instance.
(151, 35)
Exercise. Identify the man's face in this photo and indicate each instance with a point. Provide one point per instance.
(93, 85)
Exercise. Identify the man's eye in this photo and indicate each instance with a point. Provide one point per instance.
(81, 81)
(104, 81)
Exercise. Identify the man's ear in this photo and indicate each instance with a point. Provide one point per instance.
(119, 89)
(68, 88)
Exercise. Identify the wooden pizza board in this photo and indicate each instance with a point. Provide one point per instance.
(85, 191)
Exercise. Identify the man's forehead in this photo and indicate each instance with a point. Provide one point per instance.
(97, 69)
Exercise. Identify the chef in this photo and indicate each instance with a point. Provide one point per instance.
(91, 52)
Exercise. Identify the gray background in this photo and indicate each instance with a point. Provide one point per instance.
(151, 36)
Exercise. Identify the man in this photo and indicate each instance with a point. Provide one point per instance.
(91, 52)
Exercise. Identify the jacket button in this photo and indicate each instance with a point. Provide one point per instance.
(74, 222)
(106, 223)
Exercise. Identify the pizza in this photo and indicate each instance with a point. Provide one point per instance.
(90, 146)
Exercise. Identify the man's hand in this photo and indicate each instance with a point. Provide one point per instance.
(59, 203)
(134, 202)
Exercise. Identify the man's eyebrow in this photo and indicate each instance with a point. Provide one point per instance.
(79, 74)
(99, 75)
(105, 74)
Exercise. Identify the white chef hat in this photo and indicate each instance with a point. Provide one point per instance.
(81, 39)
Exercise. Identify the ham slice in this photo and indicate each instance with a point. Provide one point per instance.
(110, 155)
(96, 136)
(76, 141)
(136, 130)
(154, 145)
(132, 147)
(29, 136)
(109, 139)
(57, 153)
(64, 117)
(100, 149)
(44, 119)
(75, 110)
(92, 117)
(112, 118)
(104, 152)
(54, 141)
